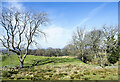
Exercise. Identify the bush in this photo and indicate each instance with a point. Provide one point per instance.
(114, 57)
(85, 57)
(6, 74)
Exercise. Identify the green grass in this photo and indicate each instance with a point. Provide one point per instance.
(30, 60)
(55, 68)
(11, 60)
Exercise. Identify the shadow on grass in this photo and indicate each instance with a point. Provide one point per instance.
(40, 62)
(47, 61)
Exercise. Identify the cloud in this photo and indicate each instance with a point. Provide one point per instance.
(57, 37)
(18, 6)
(91, 14)
(15, 4)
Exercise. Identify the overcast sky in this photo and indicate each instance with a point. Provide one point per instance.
(66, 16)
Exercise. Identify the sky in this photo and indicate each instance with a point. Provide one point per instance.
(61, 0)
(65, 17)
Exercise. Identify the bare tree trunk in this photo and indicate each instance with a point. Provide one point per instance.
(21, 61)
(8, 52)
(21, 64)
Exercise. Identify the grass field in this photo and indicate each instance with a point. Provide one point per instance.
(55, 68)
(30, 60)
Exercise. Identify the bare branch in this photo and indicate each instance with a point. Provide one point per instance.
(20, 29)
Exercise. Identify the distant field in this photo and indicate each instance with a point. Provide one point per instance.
(56, 68)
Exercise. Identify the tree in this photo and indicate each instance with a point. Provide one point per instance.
(65, 51)
(87, 44)
(21, 29)
(71, 50)
(42, 52)
(80, 42)
(95, 38)
(50, 52)
(111, 42)
(58, 52)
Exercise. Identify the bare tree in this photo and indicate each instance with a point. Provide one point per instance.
(80, 43)
(20, 29)
(87, 44)
(111, 43)
(111, 37)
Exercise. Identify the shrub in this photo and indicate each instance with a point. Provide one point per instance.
(6, 74)
(114, 57)
(85, 57)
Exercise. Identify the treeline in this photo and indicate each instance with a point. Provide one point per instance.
(98, 46)
(43, 52)
(49, 52)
